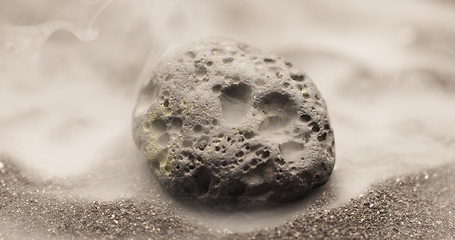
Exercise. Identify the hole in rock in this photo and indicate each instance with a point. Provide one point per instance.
(186, 153)
(166, 103)
(228, 60)
(275, 69)
(277, 104)
(169, 77)
(280, 161)
(260, 82)
(209, 63)
(201, 72)
(298, 77)
(216, 88)
(259, 152)
(235, 103)
(291, 150)
(187, 143)
(305, 118)
(202, 179)
(273, 123)
(269, 60)
(164, 139)
(253, 162)
(315, 128)
(253, 178)
(197, 128)
(191, 54)
(159, 126)
(322, 137)
(177, 123)
(159, 160)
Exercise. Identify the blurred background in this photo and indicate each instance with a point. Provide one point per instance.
(70, 73)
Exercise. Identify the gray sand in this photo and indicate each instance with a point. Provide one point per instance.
(421, 205)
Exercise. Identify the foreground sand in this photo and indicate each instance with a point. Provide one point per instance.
(418, 206)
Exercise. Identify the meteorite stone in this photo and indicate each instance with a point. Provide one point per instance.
(223, 125)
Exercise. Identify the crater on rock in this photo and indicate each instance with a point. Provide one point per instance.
(235, 103)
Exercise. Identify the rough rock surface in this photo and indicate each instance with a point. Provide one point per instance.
(224, 125)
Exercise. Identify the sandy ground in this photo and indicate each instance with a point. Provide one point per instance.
(69, 168)
(417, 206)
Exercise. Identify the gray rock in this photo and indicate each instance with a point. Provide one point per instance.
(224, 125)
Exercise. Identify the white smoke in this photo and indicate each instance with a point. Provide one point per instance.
(383, 68)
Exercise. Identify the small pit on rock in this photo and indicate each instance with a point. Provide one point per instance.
(159, 126)
(291, 150)
(235, 103)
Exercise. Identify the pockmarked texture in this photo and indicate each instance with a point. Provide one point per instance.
(222, 124)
